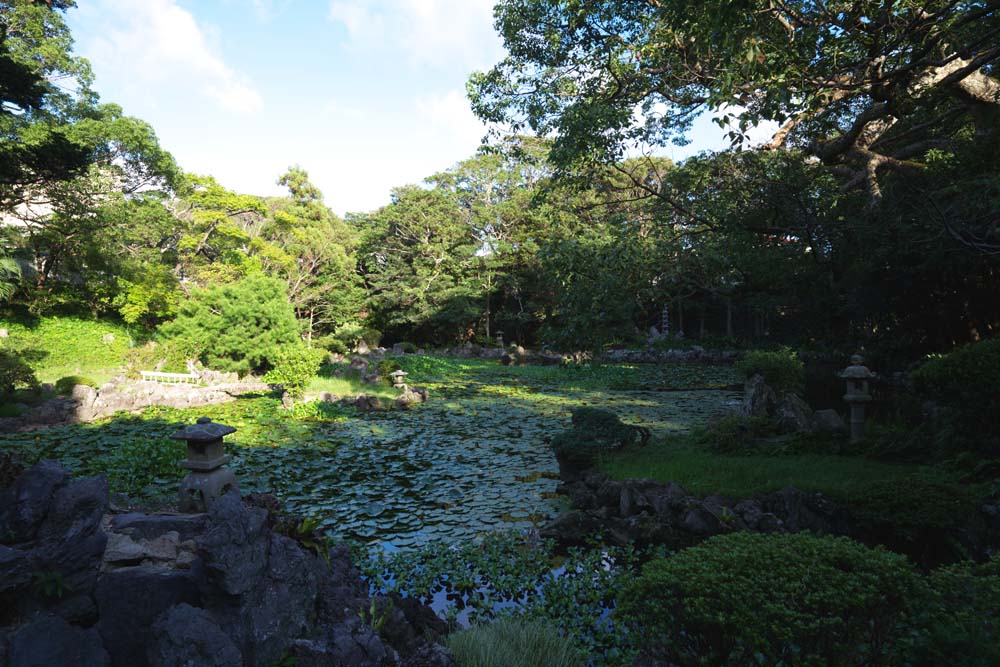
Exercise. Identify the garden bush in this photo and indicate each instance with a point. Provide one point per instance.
(331, 344)
(15, 373)
(914, 515)
(293, 367)
(513, 643)
(64, 385)
(782, 370)
(957, 617)
(964, 383)
(594, 433)
(236, 327)
(758, 599)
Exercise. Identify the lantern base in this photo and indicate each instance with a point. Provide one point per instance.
(200, 489)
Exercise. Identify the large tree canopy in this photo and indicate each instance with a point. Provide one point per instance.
(864, 86)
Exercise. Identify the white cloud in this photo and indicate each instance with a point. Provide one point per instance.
(437, 32)
(157, 43)
(450, 115)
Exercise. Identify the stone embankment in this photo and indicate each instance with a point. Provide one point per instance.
(81, 586)
(87, 403)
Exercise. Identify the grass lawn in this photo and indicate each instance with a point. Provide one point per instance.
(57, 347)
(350, 386)
(701, 471)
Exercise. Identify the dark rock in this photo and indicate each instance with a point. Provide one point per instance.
(130, 600)
(828, 421)
(49, 641)
(277, 610)
(758, 398)
(755, 518)
(429, 655)
(702, 522)
(15, 569)
(185, 636)
(800, 511)
(235, 557)
(23, 506)
(407, 624)
(572, 528)
(342, 593)
(348, 644)
(76, 511)
(794, 415)
(150, 526)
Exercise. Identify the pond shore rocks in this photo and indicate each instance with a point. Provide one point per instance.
(79, 586)
(646, 512)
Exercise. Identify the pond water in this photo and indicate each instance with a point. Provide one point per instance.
(469, 461)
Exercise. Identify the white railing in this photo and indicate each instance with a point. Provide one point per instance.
(169, 378)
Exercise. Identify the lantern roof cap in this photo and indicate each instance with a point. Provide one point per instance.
(857, 370)
(204, 430)
(398, 373)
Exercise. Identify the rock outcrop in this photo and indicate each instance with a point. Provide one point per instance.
(79, 586)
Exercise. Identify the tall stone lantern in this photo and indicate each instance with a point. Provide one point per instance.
(857, 375)
(209, 478)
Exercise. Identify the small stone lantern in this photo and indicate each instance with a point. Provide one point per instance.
(857, 376)
(398, 378)
(209, 477)
(500, 339)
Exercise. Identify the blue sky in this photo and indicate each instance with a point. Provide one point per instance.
(365, 95)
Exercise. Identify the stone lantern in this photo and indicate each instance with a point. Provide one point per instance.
(500, 339)
(857, 376)
(398, 378)
(209, 477)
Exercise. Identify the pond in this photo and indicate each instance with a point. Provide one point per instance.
(471, 460)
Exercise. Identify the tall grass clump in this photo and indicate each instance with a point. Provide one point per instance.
(513, 643)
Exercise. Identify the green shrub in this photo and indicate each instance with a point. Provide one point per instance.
(757, 599)
(385, 367)
(968, 374)
(408, 347)
(957, 618)
(735, 433)
(964, 383)
(10, 410)
(293, 367)
(15, 373)
(594, 433)
(65, 385)
(236, 327)
(914, 515)
(513, 643)
(782, 370)
(331, 344)
(351, 333)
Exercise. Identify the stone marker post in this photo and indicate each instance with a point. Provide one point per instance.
(857, 376)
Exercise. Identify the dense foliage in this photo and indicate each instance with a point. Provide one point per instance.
(782, 370)
(594, 434)
(772, 599)
(238, 326)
